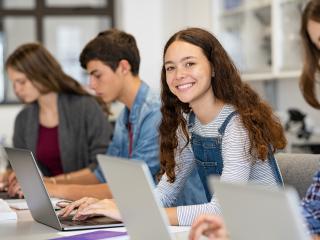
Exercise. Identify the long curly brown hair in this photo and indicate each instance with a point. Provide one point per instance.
(311, 54)
(263, 126)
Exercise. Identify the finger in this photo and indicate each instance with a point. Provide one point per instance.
(11, 190)
(62, 204)
(12, 177)
(101, 211)
(89, 213)
(12, 184)
(72, 206)
(83, 206)
(197, 231)
(82, 217)
(20, 194)
(15, 190)
(67, 210)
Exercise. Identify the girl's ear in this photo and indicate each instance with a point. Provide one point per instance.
(124, 66)
(212, 71)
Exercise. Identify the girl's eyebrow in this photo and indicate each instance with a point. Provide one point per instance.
(183, 59)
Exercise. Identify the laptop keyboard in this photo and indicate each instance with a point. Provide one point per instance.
(88, 222)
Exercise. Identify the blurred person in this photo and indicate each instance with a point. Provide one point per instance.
(63, 125)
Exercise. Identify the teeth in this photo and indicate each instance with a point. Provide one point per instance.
(184, 86)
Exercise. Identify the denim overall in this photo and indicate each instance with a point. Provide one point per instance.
(208, 154)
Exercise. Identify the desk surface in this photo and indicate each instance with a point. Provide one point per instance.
(27, 229)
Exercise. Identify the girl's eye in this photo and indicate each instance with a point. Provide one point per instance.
(169, 68)
(189, 64)
(21, 82)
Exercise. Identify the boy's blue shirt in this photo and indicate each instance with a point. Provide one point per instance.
(144, 117)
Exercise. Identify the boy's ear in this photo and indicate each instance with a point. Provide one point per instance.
(124, 66)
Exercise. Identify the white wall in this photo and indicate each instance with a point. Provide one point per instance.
(151, 22)
(142, 18)
(7, 116)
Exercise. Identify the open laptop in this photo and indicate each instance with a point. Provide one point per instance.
(38, 200)
(255, 212)
(133, 188)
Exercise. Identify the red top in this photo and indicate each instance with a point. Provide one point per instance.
(48, 151)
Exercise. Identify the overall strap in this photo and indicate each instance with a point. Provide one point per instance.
(191, 120)
(275, 168)
(226, 122)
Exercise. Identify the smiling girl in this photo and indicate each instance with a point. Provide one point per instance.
(212, 121)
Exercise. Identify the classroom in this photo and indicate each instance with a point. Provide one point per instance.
(160, 119)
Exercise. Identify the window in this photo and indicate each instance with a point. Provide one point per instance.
(64, 27)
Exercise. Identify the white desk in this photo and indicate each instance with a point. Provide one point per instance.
(25, 228)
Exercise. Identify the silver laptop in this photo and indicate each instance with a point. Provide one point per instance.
(253, 212)
(38, 200)
(133, 188)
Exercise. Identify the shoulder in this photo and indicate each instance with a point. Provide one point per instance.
(26, 112)
(150, 107)
(152, 100)
(236, 129)
(76, 103)
(77, 99)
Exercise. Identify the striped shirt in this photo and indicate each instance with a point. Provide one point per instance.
(238, 164)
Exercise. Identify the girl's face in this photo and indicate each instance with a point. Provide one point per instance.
(188, 72)
(313, 29)
(23, 87)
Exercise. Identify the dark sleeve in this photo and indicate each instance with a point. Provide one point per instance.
(98, 131)
(19, 140)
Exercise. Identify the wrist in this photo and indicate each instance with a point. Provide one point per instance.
(67, 177)
(53, 180)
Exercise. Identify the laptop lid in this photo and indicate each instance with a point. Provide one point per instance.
(36, 195)
(134, 192)
(254, 212)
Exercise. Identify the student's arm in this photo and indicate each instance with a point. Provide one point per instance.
(172, 216)
(75, 192)
(88, 207)
(84, 176)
